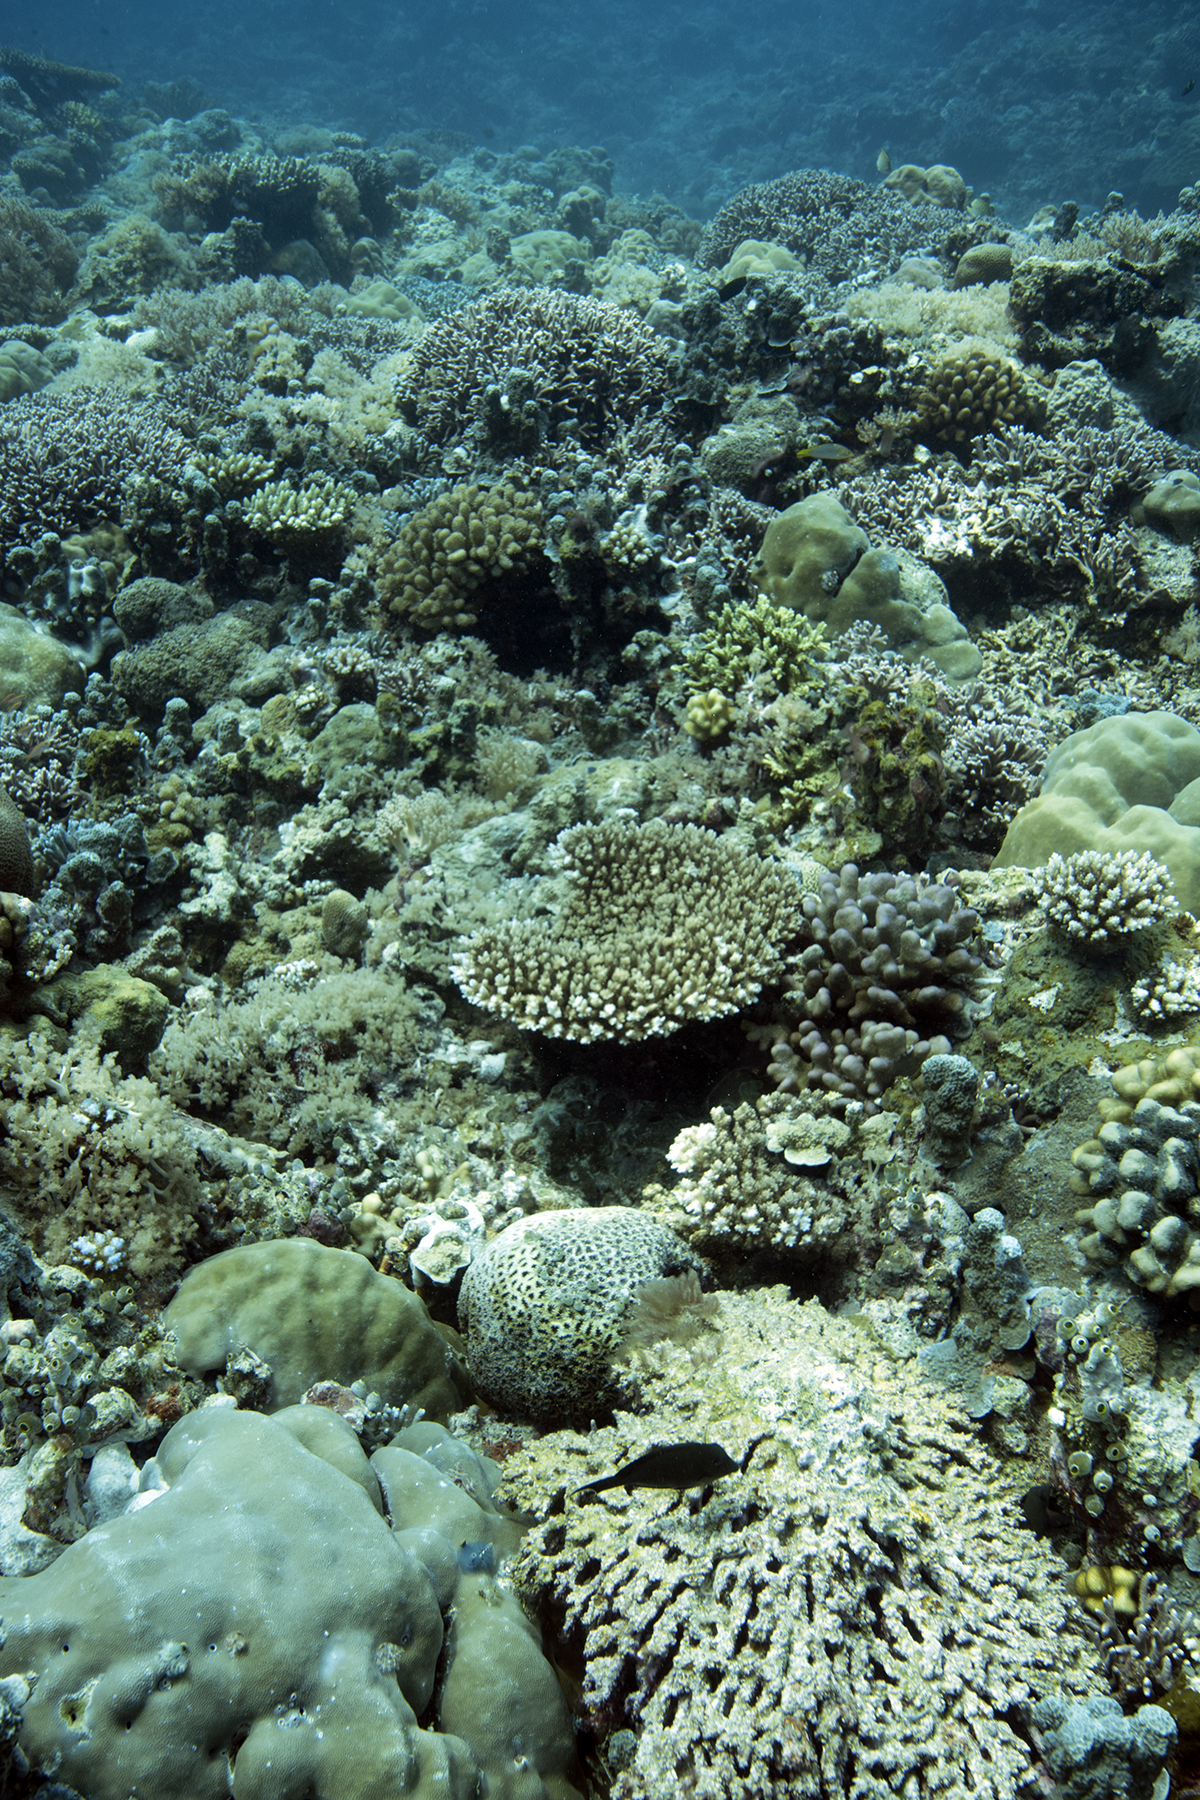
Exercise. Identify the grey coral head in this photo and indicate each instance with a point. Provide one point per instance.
(16, 858)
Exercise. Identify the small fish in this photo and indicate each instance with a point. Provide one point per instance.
(883, 163)
(824, 450)
(668, 1466)
(1043, 1512)
(729, 290)
(1187, 90)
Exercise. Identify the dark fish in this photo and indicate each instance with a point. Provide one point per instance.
(1043, 1512)
(668, 1466)
(729, 290)
(1187, 90)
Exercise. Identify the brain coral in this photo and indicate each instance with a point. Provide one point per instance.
(546, 1306)
(663, 924)
(856, 1612)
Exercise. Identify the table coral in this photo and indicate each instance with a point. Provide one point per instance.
(663, 924)
(856, 1610)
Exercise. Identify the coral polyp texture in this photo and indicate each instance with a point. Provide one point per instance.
(456, 546)
(834, 1616)
(1101, 898)
(663, 925)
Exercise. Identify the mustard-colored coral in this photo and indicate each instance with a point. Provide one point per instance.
(973, 391)
(451, 548)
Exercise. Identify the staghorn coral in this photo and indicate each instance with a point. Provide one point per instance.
(854, 1611)
(37, 264)
(575, 364)
(886, 966)
(662, 925)
(458, 545)
(68, 462)
(1102, 897)
(839, 226)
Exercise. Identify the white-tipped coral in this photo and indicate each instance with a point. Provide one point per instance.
(1101, 897)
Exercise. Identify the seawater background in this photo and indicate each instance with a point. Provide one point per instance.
(1047, 101)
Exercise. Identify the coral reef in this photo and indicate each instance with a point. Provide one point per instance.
(795, 1620)
(883, 961)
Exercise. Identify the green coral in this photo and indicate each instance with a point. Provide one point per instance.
(753, 640)
(455, 547)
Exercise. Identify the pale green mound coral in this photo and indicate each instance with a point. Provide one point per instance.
(816, 560)
(1128, 783)
(663, 925)
(452, 548)
(258, 1629)
(22, 369)
(289, 1061)
(312, 1315)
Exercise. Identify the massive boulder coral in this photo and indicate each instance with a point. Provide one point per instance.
(257, 1629)
(314, 1314)
(547, 1306)
(663, 925)
(854, 1610)
(1130, 782)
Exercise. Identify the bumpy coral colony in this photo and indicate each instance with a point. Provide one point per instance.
(599, 851)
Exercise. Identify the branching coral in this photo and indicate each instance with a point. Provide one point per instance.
(663, 924)
(580, 364)
(840, 226)
(69, 462)
(886, 969)
(452, 549)
(1102, 897)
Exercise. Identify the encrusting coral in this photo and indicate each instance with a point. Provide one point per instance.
(855, 1597)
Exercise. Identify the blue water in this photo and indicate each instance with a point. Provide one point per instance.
(1034, 103)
